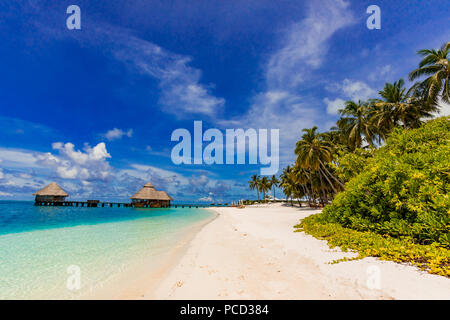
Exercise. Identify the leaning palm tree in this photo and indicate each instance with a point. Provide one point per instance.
(254, 184)
(355, 124)
(435, 64)
(303, 179)
(311, 149)
(314, 153)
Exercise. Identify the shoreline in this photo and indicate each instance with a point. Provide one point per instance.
(254, 253)
(141, 278)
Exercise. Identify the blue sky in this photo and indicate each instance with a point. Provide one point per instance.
(94, 109)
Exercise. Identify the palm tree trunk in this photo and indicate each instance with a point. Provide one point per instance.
(304, 190)
(323, 190)
(313, 198)
(331, 184)
(331, 175)
(308, 194)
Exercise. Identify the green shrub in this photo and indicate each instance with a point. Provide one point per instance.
(403, 190)
(350, 164)
(433, 257)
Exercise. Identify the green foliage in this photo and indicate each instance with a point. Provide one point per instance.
(403, 190)
(433, 258)
(350, 164)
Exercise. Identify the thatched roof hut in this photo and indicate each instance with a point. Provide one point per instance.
(53, 189)
(52, 192)
(164, 196)
(149, 196)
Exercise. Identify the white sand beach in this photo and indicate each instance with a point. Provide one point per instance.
(253, 253)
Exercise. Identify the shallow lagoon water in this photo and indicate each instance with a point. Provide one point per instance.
(39, 244)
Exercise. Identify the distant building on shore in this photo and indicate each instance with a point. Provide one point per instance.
(148, 196)
(51, 193)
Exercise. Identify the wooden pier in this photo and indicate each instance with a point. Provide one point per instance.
(87, 204)
(98, 204)
(148, 197)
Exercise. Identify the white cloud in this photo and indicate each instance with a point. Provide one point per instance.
(116, 133)
(84, 172)
(5, 194)
(17, 158)
(182, 92)
(306, 43)
(444, 109)
(209, 198)
(380, 74)
(98, 153)
(357, 90)
(67, 172)
(179, 185)
(350, 90)
(302, 51)
(333, 106)
(91, 163)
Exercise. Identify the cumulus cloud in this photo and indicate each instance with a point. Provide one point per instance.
(89, 164)
(357, 90)
(208, 198)
(115, 134)
(333, 106)
(350, 90)
(182, 187)
(84, 172)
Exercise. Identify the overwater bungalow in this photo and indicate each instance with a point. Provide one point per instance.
(149, 197)
(51, 193)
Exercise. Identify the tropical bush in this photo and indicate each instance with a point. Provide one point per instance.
(350, 164)
(403, 190)
(432, 258)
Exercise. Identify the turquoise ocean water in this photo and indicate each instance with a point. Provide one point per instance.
(38, 245)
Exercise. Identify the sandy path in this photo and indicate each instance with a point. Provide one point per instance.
(253, 253)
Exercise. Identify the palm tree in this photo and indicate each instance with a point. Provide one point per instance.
(287, 182)
(254, 184)
(382, 118)
(264, 186)
(303, 178)
(314, 152)
(274, 183)
(435, 64)
(397, 107)
(355, 124)
(335, 137)
(311, 149)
